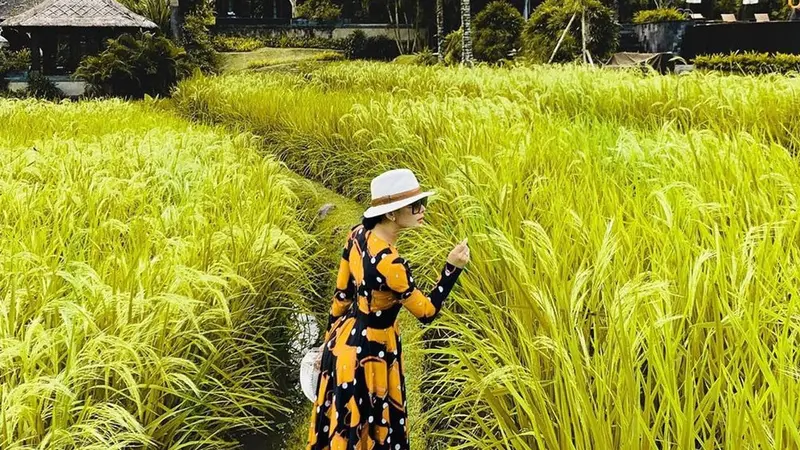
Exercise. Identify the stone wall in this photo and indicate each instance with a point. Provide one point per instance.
(662, 36)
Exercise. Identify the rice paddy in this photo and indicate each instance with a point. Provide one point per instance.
(635, 245)
(635, 241)
(148, 271)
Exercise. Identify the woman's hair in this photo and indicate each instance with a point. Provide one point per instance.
(370, 222)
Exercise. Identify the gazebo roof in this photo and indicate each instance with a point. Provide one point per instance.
(10, 8)
(78, 13)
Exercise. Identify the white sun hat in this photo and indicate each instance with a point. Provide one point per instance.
(393, 190)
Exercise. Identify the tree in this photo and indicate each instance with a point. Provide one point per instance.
(177, 18)
(440, 29)
(497, 31)
(466, 27)
(322, 10)
(556, 24)
(134, 65)
(398, 11)
(179, 9)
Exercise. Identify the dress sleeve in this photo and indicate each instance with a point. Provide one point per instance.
(345, 285)
(424, 307)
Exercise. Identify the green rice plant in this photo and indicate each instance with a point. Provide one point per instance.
(148, 272)
(635, 241)
(761, 105)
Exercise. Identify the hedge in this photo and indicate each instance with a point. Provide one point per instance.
(749, 63)
(658, 15)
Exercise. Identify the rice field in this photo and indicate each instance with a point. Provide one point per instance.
(148, 271)
(635, 241)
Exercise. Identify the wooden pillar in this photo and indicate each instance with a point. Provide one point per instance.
(36, 62)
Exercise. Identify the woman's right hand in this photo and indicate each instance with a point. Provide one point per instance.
(459, 256)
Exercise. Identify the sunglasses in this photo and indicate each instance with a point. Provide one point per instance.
(417, 206)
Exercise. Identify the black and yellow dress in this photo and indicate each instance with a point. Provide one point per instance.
(361, 402)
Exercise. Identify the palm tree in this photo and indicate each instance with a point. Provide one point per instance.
(177, 18)
(466, 26)
(440, 29)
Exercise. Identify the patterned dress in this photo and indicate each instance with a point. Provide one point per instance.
(361, 402)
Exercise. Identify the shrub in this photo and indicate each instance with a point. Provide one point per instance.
(358, 46)
(423, 58)
(200, 52)
(381, 48)
(18, 61)
(426, 58)
(627, 8)
(658, 15)
(548, 22)
(134, 66)
(39, 86)
(322, 10)
(497, 31)
(155, 10)
(778, 9)
(355, 44)
(13, 62)
(749, 63)
(453, 47)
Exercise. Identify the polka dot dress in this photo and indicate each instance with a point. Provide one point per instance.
(361, 402)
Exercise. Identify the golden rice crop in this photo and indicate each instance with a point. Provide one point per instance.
(146, 266)
(635, 241)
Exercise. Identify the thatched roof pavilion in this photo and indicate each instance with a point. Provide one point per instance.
(82, 24)
(10, 8)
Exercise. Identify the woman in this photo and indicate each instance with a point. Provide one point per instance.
(361, 401)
